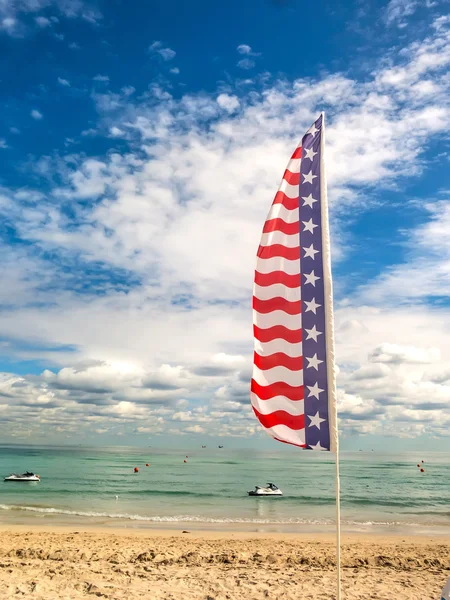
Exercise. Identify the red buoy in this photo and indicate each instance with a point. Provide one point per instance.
(423, 461)
(147, 465)
(422, 470)
(185, 461)
(136, 470)
(418, 466)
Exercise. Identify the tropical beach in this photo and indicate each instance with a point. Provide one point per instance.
(188, 529)
(225, 300)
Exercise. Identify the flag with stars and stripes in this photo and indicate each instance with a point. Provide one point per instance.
(293, 390)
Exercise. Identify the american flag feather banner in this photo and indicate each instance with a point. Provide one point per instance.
(293, 389)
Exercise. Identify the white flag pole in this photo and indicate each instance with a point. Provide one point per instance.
(331, 373)
(338, 525)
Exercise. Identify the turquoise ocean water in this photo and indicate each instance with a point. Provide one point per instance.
(79, 487)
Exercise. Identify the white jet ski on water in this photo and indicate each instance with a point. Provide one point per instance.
(270, 490)
(23, 477)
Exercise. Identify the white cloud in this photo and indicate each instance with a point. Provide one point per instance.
(246, 63)
(36, 114)
(43, 22)
(116, 132)
(228, 103)
(13, 11)
(9, 25)
(185, 233)
(63, 82)
(101, 78)
(165, 53)
(175, 71)
(392, 353)
(3, 144)
(244, 49)
(398, 10)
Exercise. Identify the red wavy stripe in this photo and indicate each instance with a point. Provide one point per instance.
(291, 443)
(291, 178)
(279, 359)
(278, 303)
(280, 225)
(279, 250)
(281, 417)
(266, 279)
(266, 392)
(297, 153)
(278, 332)
(289, 203)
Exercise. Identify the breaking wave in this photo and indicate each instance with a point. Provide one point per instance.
(197, 518)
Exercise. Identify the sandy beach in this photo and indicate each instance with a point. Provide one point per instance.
(51, 563)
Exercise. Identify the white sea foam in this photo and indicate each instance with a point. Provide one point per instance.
(196, 518)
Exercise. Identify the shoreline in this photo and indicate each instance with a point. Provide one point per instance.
(50, 521)
(224, 534)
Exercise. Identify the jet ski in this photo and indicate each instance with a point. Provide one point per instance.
(270, 490)
(23, 477)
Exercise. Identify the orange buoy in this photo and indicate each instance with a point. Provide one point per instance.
(185, 461)
(136, 470)
(418, 466)
(422, 470)
(147, 465)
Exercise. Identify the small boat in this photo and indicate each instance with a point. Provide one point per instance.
(22, 477)
(270, 490)
(220, 446)
(203, 446)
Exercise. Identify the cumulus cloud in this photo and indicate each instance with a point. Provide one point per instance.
(36, 114)
(228, 103)
(391, 353)
(63, 82)
(153, 263)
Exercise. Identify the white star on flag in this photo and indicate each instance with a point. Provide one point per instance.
(316, 446)
(314, 390)
(316, 420)
(310, 251)
(312, 130)
(311, 278)
(309, 201)
(309, 226)
(314, 362)
(309, 177)
(312, 305)
(313, 333)
(309, 153)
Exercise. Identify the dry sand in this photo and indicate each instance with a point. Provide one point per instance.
(66, 563)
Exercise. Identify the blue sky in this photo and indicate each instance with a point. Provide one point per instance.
(141, 146)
